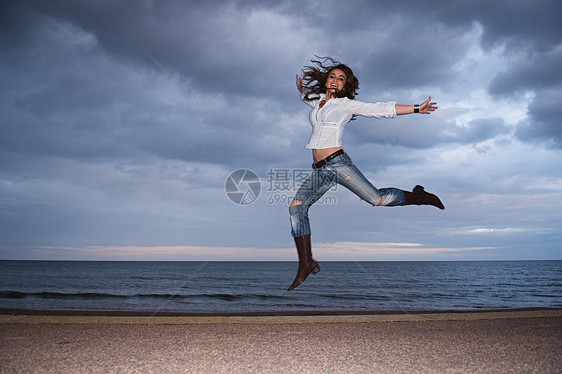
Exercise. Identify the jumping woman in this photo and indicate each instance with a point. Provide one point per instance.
(329, 87)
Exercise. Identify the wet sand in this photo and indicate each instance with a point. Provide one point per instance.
(483, 342)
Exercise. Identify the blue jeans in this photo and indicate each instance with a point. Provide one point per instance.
(340, 170)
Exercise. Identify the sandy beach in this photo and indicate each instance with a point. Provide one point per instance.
(483, 342)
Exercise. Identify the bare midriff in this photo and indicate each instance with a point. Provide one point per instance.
(320, 154)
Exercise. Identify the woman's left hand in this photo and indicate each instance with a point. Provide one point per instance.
(427, 106)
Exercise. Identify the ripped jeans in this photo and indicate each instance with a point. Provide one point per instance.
(340, 170)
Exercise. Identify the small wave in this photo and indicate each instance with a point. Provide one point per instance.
(214, 296)
(12, 295)
(101, 295)
(80, 295)
(57, 295)
(356, 297)
(234, 297)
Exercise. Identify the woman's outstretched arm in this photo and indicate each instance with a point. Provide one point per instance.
(426, 107)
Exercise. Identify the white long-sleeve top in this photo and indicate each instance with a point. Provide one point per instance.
(328, 122)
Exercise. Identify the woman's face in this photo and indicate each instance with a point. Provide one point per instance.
(336, 80)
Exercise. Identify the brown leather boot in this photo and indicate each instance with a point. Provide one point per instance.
(307, 264)
(418, 196)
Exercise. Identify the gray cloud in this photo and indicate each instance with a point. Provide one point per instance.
(521, 24)
(544, 124)
(427, 133)
(210, 43)
(529, 71)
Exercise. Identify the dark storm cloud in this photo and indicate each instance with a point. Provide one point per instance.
(77, 52)
(529, 71)
(427, 133)
(544, 124)
(203, 41)
(69, 99)
(537, 73)
(518, 23)
(79, 74)
(530, 34)
(198, 39)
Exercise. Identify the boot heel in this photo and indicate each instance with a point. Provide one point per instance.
(316, 270)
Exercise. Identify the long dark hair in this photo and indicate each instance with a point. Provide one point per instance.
(315, 77)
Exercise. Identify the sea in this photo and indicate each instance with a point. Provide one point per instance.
(261, 287)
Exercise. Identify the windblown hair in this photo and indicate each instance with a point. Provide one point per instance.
(315, 77)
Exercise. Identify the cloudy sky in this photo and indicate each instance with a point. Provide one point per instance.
(121, 122)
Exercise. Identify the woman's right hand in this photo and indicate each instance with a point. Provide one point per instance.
(299, 84)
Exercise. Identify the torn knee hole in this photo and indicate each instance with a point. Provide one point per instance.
(348, 177)
(295, 203)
